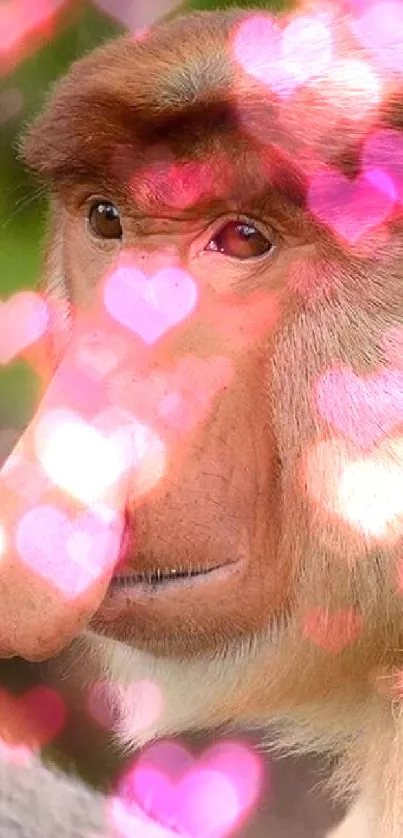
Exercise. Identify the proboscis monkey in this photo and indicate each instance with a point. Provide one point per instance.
(226, 194)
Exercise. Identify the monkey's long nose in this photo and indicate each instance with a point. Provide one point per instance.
(37, 619)
(62, 497)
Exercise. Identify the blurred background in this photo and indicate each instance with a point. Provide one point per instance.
(39, 39)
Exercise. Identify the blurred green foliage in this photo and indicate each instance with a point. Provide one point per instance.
(22, 205)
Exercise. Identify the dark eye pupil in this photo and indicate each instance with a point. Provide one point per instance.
(104, 220)
(241, 241)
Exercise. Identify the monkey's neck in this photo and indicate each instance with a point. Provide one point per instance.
(254, 684)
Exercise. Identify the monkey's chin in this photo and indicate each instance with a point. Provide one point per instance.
(187, 616)
(182, 616)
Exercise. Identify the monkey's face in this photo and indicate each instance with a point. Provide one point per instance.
(167, 201)
(201, 550)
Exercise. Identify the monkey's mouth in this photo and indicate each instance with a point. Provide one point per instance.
(124, 581)
(159, 593)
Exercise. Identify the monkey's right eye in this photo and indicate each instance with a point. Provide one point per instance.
(104, 220)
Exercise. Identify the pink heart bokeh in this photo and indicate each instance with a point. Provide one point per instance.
(129, 822)
(204, 798)
(99, 460)
(23, 320)
(33, 719)
(283, 60)
(363, 491)
(109, 451)
(352, 208)
(379, 28)
(70, 553)
(142, 701)
(333, 631)
(347, 82)
(99, 352)
(150, 306)
(362, 408)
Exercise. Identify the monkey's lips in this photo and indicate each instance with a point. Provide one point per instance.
(125, 582)
(153, 610)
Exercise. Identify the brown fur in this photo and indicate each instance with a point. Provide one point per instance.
(241, 654)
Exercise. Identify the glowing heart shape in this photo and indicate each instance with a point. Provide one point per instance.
(347, 82)
(140, 449)
(77, 457)
(366, 492)
(149, 307)
(283, 60)
(142, 701)
(92, 461)
(202, 799)
(380, 30)
(352, 208)
(128, 823)
(333, 631)
(33, 720)
(363, 409)
(70, 553)
(23, 320)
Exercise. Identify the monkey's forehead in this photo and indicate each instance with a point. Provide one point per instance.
(181, 92)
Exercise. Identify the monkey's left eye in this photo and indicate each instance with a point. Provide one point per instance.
(240, 240)
(104, 219)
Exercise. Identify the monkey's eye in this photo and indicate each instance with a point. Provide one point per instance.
(240, 240)
(104, 219)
